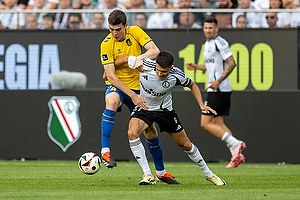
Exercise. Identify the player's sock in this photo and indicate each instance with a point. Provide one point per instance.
(229, 139)
(139, 154)
(107, 124)
(156, 152)
(196, 156)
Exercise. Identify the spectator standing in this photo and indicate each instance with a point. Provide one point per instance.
(219, 63)
(39, 5)
(111, 5)
(87, 17)
(187, 4)
(49, 4)
(48, 21)
(97, 21)
(254, 19)
(61, 19)
(74, 21)
(135, 4)
(284, 18)
(224, 19)
(272, 19)
(295, 18)
(12, 20)
(141, 20)
(160, 20)
(241, 22)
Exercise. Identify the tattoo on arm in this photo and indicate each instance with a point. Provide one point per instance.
(228, 69)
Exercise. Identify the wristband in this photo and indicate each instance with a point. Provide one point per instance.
(131, 61)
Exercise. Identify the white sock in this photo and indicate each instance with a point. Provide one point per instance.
(196, 156)
(161, 173)
(104, 150)
(229, 139)
(139, 154)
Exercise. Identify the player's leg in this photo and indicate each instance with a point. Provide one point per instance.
(135, 128)
(234, 145)
(112, 102)
(194, 154)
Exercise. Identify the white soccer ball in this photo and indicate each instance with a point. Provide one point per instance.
(89, 163)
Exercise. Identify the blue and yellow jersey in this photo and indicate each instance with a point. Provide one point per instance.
(110, 50)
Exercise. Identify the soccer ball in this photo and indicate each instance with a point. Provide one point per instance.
(89, 163)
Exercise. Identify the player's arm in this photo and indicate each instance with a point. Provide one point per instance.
(230, 65)
(197, 94)
(152, 52)
(228, 69)
(193, 66)
(138, 100)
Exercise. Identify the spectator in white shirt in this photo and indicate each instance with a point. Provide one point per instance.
(160, 20)
(284, 18)
(254, 19)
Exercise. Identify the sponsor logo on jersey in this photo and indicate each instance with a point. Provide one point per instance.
(64, 127)
(151, 92)
(209, 61)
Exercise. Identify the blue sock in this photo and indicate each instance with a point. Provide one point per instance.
(156, 152)
(107, 124)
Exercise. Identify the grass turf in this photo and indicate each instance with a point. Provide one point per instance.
(63, 180)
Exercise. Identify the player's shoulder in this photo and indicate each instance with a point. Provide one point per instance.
(134, 29)
(220, 41)
(177, 72)
(149, 64)
(108, 39)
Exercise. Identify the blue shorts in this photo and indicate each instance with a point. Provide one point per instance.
(125, 99)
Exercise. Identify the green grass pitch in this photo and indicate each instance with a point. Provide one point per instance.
(64, 180)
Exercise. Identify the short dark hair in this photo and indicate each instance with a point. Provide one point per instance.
(211, 20)
(49, 16)
(116, 17)
(165, 59)
(78, 15)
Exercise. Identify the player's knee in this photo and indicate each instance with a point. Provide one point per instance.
(186, 146)
(132, 135)
(112, 104)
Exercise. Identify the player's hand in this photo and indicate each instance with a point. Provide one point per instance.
(190, 66)
(139, 101)
(138, 65)
(208, 109)
(213, 85)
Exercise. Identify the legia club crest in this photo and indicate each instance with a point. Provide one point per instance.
(64, 126)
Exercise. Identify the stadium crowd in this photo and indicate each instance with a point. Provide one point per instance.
(41, 18)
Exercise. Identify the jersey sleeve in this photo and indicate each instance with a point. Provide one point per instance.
(223, 47)
(106, 51)
(140, 35)
(182, 78)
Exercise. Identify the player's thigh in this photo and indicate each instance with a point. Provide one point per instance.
(151, 132)
(113, 101)
(219, 120)
(136, 127)
(182, 140)
(206, 119)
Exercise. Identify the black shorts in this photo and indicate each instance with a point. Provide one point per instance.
(219, 101)
(167, 121)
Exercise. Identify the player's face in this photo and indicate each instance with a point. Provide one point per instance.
(118, 31)
(210, 30)
(161, 72)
